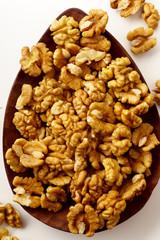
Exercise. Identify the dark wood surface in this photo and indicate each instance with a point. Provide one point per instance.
(10, 134)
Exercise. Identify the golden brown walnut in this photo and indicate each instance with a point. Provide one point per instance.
(60, 57)
(131, 97)
(94, 23)
(112, 171)
(54, 206)
(111, 206)
(9, 238)
(96, 90)
(99, 43)
(140, 160)
(12, 216)
(130, 119)
(37, 60)
(140, 41)
(13, 155)
(143, 138)
(2, 213)
(25, 97)
(56, 194)
(133, 187)
(114, 67)
(118, 107)
(3, 232)
(44, 95)
(88, 55)
(81, 102)
(157, 91)
(27, 123)
(101, 118)
(121, 140)
(81, 156)
(25, 187)
(82, 219)
(127, 7)
(65, 30)
(72, 81)
(60, 180)
(150, 15)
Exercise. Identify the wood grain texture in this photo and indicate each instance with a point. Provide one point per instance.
(10, 134)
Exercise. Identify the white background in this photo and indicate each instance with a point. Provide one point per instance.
(22, 23)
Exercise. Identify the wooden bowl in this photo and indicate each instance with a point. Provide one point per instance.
(10, 134)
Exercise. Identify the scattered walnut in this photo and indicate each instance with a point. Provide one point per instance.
(2, 213)
(3, 232)
(150, 15)
(139, 40)
(39, 59)
(65, 30)
(127, 7)
(12, 216)
(94, 23)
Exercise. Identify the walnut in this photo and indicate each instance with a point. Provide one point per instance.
(112, 170)
(36, 61)
(3, 232)
(25, 187)
(81, 102)
(44, 95)
(118, 107)
(131, 97)
(13, 156)
(60, 180)
(140, 160)
(56, 160)
(130, 119)
(2, 213)
(9, 238)
(72, 48)
(80, 155)
(127, 7)
(60, 57)
(97, 42)
(157, 91)
(82, 220)
(54, 206)
(72, 81)
(27, 123)
(114, 67)
(65, 30)
(139, 40)
(133, 187)
(143, 138)
(112, 206)
(96, 90)
(150, 15)
(88, 55)
(25, 97)
(101, 118)
(141, 108)
(34, 153)
(12, 216)
(94, 23)
(121, 140)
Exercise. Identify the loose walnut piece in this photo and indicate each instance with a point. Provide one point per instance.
(12, 216)
(94, 23)
(25, 97)
(2, 213)
(127, 7)
(36, 61)
(139, 40)
(150, 15)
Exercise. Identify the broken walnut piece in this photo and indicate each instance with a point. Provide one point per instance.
(12, 216)
(97, 42)
(94, 23)
(139, 40)
(150, 15)
(25, 97)
(127, 7)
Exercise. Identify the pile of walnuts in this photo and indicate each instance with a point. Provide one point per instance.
(82, 132)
